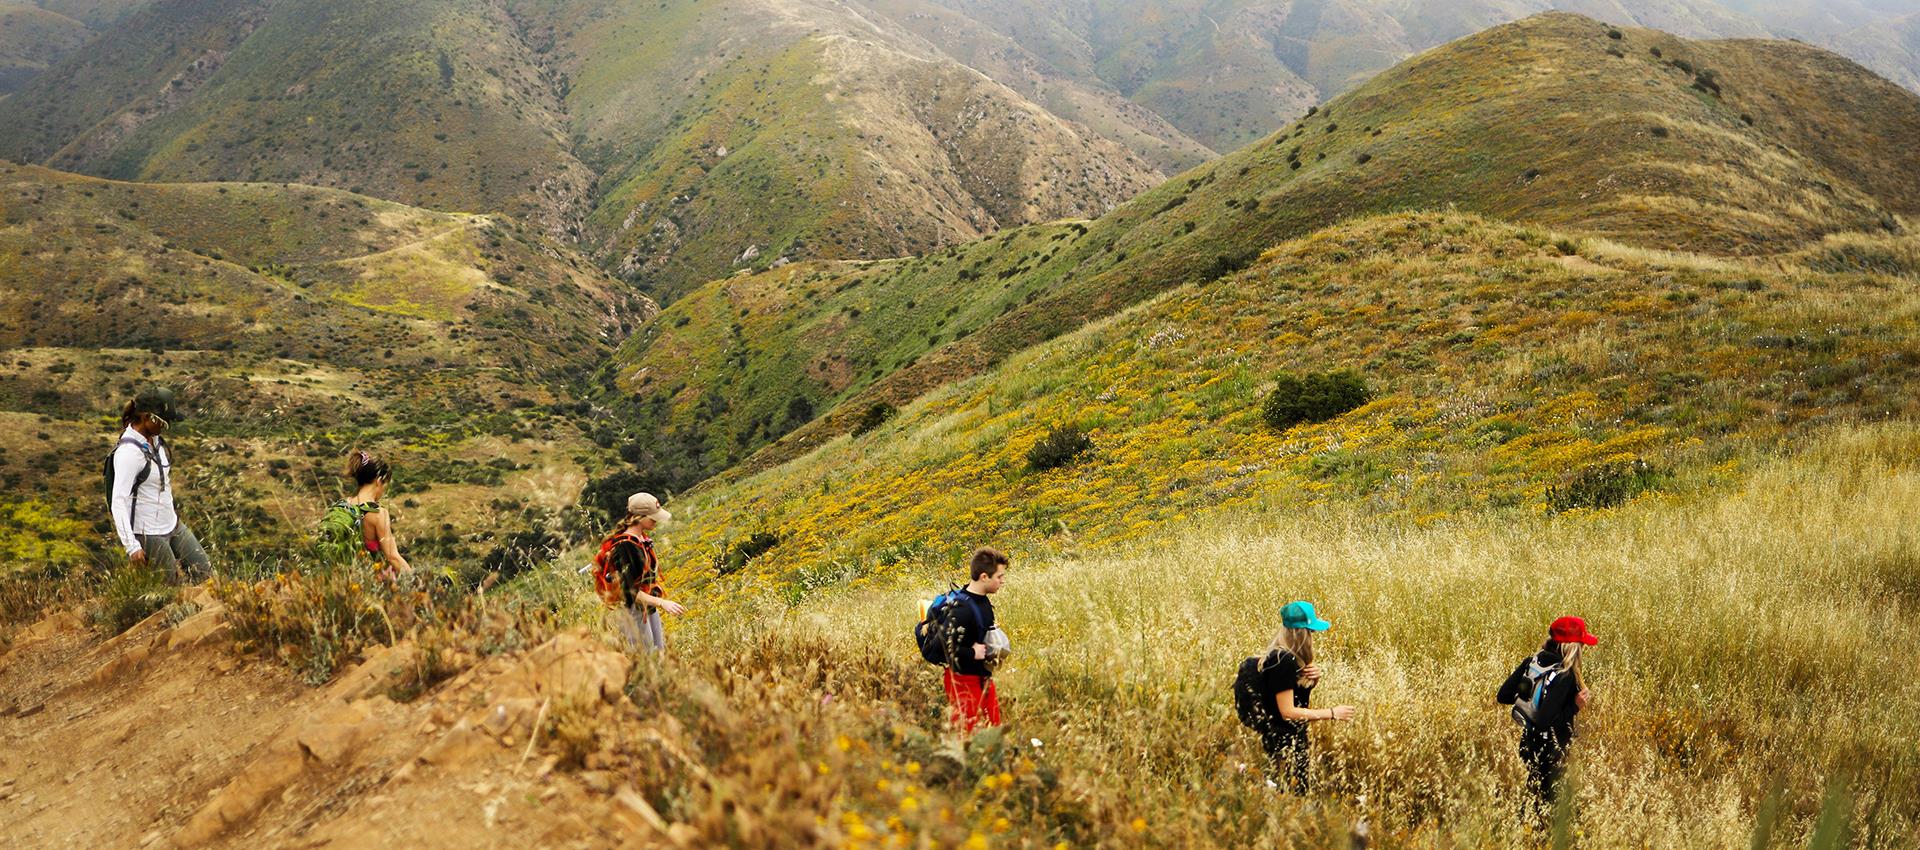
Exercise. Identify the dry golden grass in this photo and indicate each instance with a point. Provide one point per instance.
(1751, 636)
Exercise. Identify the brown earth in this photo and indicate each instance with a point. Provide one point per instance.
(167, 737)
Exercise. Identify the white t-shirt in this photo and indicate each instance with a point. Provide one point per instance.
(152, 512)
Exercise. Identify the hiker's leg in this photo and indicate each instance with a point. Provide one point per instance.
(192, 557)
(1295, 767)
(1542, 758)
(990, 704)
(653, 634)
(964, 693)
(159, 549)
(956, 717)
(1287, 757)
(626, 622)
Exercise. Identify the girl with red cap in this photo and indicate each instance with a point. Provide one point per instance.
(1546, 691)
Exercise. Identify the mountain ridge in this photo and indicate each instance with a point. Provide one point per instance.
(1620, 146)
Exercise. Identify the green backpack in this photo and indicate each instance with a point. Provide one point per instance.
(343, 535)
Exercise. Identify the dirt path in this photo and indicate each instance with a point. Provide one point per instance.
(168, 738)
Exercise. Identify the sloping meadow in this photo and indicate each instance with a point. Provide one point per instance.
(1509, 370)
(1741, 687)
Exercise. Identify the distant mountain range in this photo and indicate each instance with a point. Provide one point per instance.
(683, 141)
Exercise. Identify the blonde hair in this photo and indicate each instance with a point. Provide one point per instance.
(1295, 642)
(1570, 652)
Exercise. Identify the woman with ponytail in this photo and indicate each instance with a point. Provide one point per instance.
(1273, 688)
(626, 574)
(358, 524)
(1546, 691)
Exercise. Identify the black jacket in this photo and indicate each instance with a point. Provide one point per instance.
(1557, 707)
(970, 625)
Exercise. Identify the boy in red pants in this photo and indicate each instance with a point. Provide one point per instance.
(969, 673)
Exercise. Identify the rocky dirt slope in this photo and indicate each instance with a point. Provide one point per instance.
(165, 737)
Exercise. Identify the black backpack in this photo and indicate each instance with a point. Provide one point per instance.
(1526, 709)
(1246, 695)
(935, 629)
(139, 479)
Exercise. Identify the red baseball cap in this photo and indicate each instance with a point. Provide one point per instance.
(1571, 630)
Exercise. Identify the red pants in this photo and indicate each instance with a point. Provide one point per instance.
(975, 702)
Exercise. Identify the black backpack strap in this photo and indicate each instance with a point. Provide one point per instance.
(139, 478)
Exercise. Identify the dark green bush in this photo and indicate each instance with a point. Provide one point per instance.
(1602, 485)
(873, 417)
(1226, 264)
(1313, 397)
(1062, 445)
(737, 555)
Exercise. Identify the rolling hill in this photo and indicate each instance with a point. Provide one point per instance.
(677, 143)
(31, 38)
(433, 103)
(1510, 368)
(1226, 71)
(295, 321)
(1742, 147)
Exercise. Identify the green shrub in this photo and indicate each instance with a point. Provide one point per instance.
(1602, 485)
(1313, 397)
(737, 555)
(317, 624)
(132, 595)
(873, 417)
(1226, 264)
(1063, 445)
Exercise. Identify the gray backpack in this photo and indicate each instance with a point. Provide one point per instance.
(1538, 678)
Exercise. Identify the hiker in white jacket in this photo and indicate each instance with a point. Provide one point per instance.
(140, 492)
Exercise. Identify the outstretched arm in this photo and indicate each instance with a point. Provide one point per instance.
(380, 525)
(1284, 702)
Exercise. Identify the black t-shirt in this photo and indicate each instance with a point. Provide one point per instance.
(1257, 690)
(972, 619)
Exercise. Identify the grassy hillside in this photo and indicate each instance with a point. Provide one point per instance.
(1736, 638)
(740, 362)
(31, 38)
(1225, 71)
(1504, 363)
(435, 104)
(296, 322)
(1731, 623)
(678, 143)
(1059, 82)
(93, 13)
(1536, 121)
(738, 135)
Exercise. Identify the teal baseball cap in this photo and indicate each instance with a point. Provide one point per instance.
(1299, 615)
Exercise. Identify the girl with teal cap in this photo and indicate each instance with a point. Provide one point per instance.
(1273, 688)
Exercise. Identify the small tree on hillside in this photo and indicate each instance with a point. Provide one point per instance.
(1313, 397)
(1061, 446)
(873, 417)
